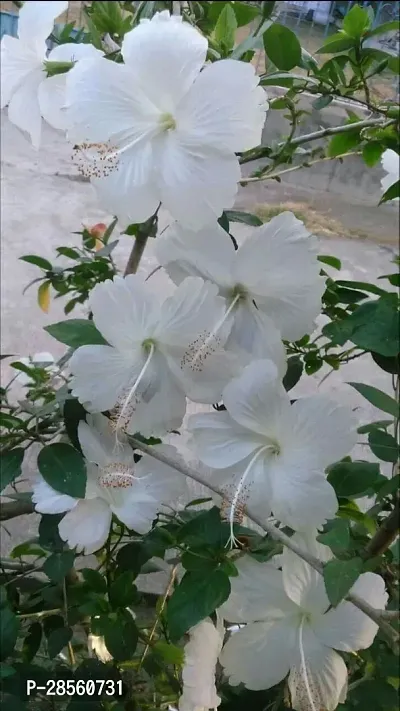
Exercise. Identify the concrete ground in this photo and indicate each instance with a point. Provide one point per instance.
(44, 201)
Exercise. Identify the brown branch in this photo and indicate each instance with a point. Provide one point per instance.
(15, 508)
(146, 230)
(385, 535)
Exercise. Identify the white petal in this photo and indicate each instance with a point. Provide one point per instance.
(322, 677)
(257, 398)
(391, 164)
(207, 253)
(156, 484)
(347, 628)
(100, 375)
(299, 498)
(36, 19)
(198, 673)
(98, 445)
(52, 101)
(86, 526)
(104, 100)
(196, 183)
(167, 56)
(193, 308)
(164, 412)
(264, 265)
(18, 61)
(204, 379)
(260, 654)
(122, 310)
(257, 593)
(49, 501)
(219, 441)
(24, 109)
(73, 52)
(304, 585)
(225, 108)
(129, 191)
(254, 332)
(320, 432)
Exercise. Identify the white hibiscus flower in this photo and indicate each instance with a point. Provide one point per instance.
(292, 629)
(272, 454)
(391, 165)
(161, 128)
(25, 87)
(273, 278)
(157, 353)
(198, 674)
(134, 492)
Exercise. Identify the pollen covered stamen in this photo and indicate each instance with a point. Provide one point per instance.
(199, 350)
(116, 476)
(124, 411)
(95, 160)
(167, 122)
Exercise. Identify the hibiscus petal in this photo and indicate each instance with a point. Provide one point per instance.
(167, 55)
(318, 678)
(225, 108)
(122, 310)
(36, 20)
(347, 628)
(105, 100)
(304, 585)
(100, 375)
(198, 674)
(196, 183)
(257, 593)
(18, 61)
(264, 264)
(164, 412)
(86, 526)
(73, 52)
(97, 442)
(219, 441)
(49, 501)
(207, 253)
(257, 399)
(259, 655)
(321, 432)
(254, 332)
(300, 499)
(24, 109)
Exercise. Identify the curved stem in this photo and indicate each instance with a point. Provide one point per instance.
(277, 174)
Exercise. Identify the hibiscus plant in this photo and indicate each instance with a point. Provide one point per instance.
(241, 555)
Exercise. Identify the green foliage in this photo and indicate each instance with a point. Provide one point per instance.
(377, 398)
(196, 597)
(76, 332)
(353, 479)
(63, 468)
(340, 576)
(10, 466)
(282, 47)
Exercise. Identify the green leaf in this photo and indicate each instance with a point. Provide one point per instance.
(9, 628)
(247, 218)
(383, 445)
(37, 261)
(205, 529)
(372, 153)
(282, 47)
(388, 364)
(383, 28)
(391, 193)
(121, 635)
(57, 640)
(69, 252)
(377, 398)
(337, 537)
(32, 642)
(122, 591)
(353, 479)
(10, 466)
(293, 373)
(356, 22)
(340, 576)
(225, 29)
(375, 695)
(63, 468)
(169, 652)
(343, 143)
(322, 102)
(196, 597)
(331, 261)
(58, 565)
(338, 42)
(49, 537)
(380, 424)
(6, 671)
(76, 332)
(95, 580)
(373, 326)
(74, 413)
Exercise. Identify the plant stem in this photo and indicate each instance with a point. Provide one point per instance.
(160, 611)
(307, 164)
(376, 615)
(146, 230)
(65, 600)
(15, 508)
(385, 535)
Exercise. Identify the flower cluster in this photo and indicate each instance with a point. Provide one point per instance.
(164, 127)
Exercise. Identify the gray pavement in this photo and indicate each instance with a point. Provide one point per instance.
(44, 201)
